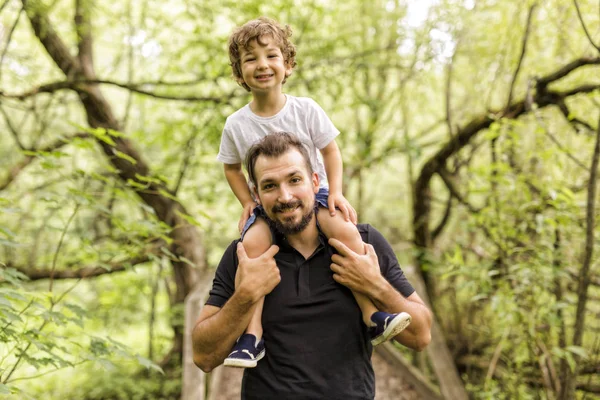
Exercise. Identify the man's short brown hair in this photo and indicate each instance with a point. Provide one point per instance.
(274, 145)
(254, 30)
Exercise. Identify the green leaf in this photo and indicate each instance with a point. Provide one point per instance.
(187, 261)
(148, 364)
(580, 351)
(124, 156)
(168, 195)
(4, 389)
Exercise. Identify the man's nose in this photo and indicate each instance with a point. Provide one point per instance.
(284, 195)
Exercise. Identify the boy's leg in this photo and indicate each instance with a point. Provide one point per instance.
(256, 241)
(249, 348)
(383, 326)
(345, 231)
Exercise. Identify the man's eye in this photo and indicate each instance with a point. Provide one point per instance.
(269, 186)
(296, 180)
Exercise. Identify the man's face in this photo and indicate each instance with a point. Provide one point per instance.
(286, 190)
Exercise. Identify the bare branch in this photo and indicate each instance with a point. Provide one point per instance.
(583, 278)
(567, 69)
(523, 51)
(8, 38)
(187, 156)
(85, 272)
(50, 40)
(562, 148)
(4, 5)
(77, 85)
(445, 218)
(447, 179)
(11, 128)
(584, 27)
(83, 27)
(564, 109)
(557, 142)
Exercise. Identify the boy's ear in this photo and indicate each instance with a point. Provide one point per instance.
(240, 81)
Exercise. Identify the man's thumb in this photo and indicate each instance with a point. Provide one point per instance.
(270, 253)
(369, 249)
(241, 252)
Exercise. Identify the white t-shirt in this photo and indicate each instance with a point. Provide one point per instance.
(301, 116)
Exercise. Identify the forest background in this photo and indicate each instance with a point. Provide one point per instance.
(470, 137)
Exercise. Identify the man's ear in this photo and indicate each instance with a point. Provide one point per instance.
(255, 193)
(315, 179)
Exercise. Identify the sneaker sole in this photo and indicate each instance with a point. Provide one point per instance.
(395, 327)
(241, 363)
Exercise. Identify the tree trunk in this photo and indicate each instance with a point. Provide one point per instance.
(187, 241)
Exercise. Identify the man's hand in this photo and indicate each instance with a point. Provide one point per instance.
(338, 200)
(256, 277)
(360, 273)
(246, 213)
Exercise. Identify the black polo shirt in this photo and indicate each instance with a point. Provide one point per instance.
(317, 346)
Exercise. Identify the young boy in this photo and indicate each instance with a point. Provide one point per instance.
(262, 58)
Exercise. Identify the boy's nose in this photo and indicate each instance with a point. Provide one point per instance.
(262, 63)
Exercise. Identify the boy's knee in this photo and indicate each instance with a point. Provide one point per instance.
(338, 228)
(257, 239)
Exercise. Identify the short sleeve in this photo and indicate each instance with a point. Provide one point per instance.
(388, 263)
(224, 281)
(228, 153)
(322, 129)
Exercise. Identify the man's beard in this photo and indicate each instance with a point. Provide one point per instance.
(289, 227)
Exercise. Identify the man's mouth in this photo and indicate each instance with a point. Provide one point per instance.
(286, 208)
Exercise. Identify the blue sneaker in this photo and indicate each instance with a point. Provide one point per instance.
(386, 326)
(246, 352)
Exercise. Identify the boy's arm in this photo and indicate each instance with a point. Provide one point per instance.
(237, 183)
(332, 158)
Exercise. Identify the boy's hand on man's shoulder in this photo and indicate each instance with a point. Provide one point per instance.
(337, 200)
(246, 213)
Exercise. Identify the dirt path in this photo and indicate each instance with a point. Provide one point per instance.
(389, 386)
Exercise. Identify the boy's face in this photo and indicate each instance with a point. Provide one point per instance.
(263, 66)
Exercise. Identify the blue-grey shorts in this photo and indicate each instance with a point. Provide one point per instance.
(320, 201)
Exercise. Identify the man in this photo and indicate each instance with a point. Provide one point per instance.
(317, 345)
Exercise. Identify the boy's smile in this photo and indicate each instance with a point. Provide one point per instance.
(263, 66)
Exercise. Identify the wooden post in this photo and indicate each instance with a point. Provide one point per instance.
(194, 380)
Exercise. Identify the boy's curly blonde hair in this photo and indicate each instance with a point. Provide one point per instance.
(254, 30)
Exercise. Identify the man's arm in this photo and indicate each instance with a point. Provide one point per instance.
(361, 273)
(217, 328)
